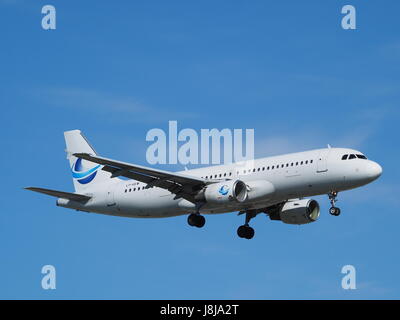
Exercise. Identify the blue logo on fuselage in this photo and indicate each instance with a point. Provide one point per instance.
(83, 176)
(224, 190)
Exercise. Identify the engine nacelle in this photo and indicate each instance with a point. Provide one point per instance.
(260, 190)
(299, 211)
(225, 192)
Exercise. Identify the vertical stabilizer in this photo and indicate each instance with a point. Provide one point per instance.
(86, 175)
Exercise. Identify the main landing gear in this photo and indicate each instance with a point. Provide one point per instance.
(335, 211)
(245, 231)
(196, 220)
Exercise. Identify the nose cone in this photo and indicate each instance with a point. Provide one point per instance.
(374, 170)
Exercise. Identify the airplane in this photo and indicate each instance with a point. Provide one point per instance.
(278, 186)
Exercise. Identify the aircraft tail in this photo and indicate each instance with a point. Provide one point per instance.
(86, 175)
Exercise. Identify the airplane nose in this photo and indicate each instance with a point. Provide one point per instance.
(374, 170)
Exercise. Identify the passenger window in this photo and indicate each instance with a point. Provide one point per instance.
(225, 174)
(291, 164)
(254, 170)
(267, 168)
(345, 157)
(352, 156)
(306, 161)
(272, 167)
(297, 163)
(311, 161)
(301, 162)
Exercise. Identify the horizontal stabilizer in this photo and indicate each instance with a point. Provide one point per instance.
(61, 194)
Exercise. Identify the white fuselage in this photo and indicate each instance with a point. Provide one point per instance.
(294, 175)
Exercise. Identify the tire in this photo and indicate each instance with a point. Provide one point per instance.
(191, 220)
(245, 232)
(200, 221)
(334, 211)
(241, 231)
(196, 220)
(250, 233)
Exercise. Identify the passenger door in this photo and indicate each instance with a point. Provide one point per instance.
(322, 161)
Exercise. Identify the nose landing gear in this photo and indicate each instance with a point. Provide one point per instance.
(335, 211)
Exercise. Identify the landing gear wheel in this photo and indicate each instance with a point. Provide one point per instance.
(196, 220)
(334, 211)
(201, 221)
(246, 232)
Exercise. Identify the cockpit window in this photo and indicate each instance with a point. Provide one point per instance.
(352, 156)
(361, 156)
(345, 157)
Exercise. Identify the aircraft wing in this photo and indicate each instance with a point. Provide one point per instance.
(182, 185)
(61, 194)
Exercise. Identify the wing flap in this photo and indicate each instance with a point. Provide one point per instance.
(61, 194)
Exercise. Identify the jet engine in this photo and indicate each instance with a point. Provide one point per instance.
(227, 191)
(299, 211)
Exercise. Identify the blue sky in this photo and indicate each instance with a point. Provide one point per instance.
(115, 71)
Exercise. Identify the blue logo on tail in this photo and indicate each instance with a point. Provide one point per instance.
(224, 190)
(83, 176)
